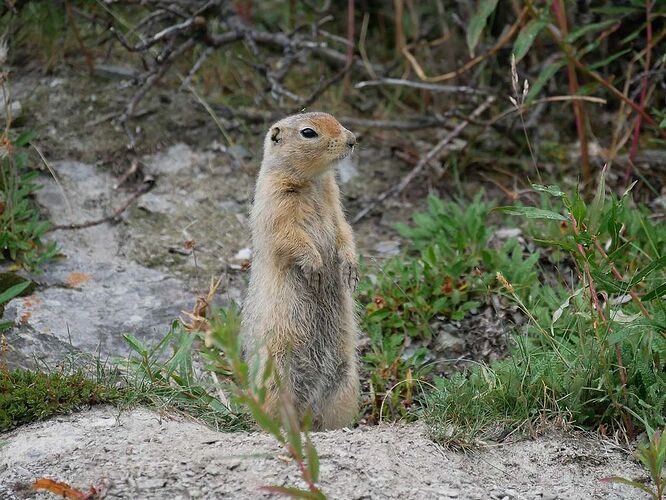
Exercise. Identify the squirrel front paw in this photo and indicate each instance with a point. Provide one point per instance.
(350, 275)
(312, 272)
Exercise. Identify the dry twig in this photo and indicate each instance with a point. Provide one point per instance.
(398, 188)
(147, 185)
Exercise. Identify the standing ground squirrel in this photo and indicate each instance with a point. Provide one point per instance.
(299, 308)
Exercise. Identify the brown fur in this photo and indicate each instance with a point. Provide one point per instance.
(299, 308)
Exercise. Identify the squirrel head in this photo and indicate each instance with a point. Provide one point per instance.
(308, 144)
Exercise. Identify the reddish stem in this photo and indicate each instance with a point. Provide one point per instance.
(579, 109)
(351, 29)
(644, 89)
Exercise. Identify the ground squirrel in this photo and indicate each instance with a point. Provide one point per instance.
(299, 308)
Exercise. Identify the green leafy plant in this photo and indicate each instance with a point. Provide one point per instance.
(223, 341)
(653, 457)
(615, 37)
(22, 227)
(448, 269)
(165, 375)
(594, 354)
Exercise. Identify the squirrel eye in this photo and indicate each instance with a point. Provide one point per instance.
(308, 133)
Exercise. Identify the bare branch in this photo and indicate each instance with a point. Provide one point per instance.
(433, 87)
(398, 188)
(148, 184)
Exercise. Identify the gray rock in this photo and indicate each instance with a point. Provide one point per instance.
(445, 342)
(94, 295)
(156, 203)
(388, 248)
(179, 158)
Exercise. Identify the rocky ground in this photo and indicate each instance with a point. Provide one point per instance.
(135, 275)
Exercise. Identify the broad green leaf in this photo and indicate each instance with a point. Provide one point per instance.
(13, 291)
(652, 266)
(655, 293)
(526, 37)
(478, 22)
(605, 62)
(135, 344)
(545, 75)
(531, 213)
(313, 460)
(551, 190)
(264, 420)
(662, 124)
(589, 28)
(25, 138)
(293, 434)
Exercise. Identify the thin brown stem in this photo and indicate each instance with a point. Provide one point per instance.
(579, 109)
(471, 63)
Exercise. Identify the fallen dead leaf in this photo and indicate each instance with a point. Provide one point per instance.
(31, 300)
(77, 279)
(64, 490)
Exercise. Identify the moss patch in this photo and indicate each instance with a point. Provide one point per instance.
(27, 396)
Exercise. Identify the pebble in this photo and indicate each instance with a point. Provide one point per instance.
(151, 484)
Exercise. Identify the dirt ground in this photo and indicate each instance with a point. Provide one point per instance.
(141, 454)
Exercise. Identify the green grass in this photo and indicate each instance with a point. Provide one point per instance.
(27, 396)
(161, 377)
(174, 375)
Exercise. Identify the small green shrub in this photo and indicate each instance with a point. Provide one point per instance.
(166, 375)
(448, 269)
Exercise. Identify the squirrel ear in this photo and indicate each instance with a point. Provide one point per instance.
(275, 134)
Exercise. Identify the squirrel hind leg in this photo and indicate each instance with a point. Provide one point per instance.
(342, 407)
